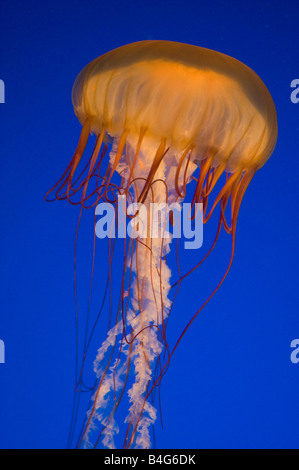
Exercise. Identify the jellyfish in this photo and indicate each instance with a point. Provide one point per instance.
(171, 121)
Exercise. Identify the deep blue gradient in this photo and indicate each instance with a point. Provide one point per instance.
(231, 382)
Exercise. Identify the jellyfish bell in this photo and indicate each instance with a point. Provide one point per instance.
(174, 113)
(185, 94)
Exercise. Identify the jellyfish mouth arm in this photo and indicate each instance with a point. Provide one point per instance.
(151, 286)
(142, 328)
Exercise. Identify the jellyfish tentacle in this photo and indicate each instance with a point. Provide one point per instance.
(181, 193)
(68, 173)
(94, 157)
(161, 152)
